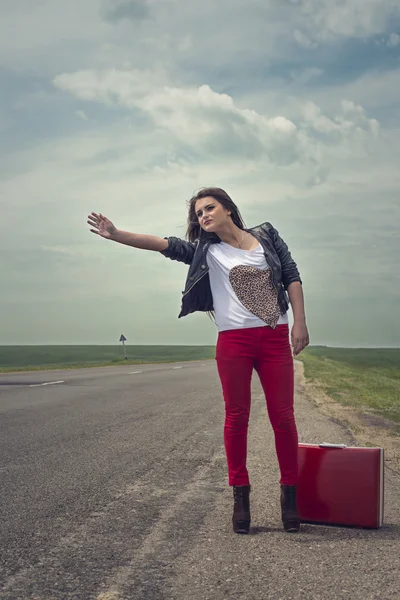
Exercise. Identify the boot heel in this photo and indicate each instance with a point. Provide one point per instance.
(241, 527)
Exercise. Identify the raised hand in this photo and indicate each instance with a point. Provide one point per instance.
(101, 225)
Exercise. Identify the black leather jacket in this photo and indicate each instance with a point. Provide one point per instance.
(197, 293)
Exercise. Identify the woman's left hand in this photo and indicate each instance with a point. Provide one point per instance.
(299, 337)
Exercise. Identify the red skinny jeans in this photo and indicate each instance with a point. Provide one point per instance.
(268, 351)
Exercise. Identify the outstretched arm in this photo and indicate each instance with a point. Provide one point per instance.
(106, 229)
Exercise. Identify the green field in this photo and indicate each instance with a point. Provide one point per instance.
(23, 358)
(367, 379)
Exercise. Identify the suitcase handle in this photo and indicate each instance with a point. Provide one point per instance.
(326, 445)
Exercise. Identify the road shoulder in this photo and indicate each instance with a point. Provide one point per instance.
(367, 429)
(318, 563)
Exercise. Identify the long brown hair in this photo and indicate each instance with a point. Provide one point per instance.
(193, 226)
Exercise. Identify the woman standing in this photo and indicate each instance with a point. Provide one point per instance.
(245, 278)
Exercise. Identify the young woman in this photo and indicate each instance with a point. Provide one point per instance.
(245, 278)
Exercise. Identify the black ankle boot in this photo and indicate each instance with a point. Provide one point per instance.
(290, 516)
(241, 509)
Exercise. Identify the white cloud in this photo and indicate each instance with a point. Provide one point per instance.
(81, 114)
(352, 120)
(303, 40)
(116, 10)
(394, 40)
(111, 86)
(216, 128)
(198, 117)
(327, 19)
(306, 75)
(374, 90)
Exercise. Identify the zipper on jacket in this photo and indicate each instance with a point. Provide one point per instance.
(192, 286)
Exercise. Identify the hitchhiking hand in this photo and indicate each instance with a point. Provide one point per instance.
(101, 225)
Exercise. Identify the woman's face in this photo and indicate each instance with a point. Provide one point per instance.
(211, 214)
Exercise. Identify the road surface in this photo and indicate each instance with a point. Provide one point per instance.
(113, 486)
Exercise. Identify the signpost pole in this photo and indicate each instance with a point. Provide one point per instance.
(123, 340)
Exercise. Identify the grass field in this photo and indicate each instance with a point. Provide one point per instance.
(21, 358)
(367, 379)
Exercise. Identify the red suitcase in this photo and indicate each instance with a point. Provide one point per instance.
(341, 485)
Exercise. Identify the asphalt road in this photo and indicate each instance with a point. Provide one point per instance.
(113, 486)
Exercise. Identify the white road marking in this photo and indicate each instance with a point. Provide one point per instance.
(47, 383)
(177, 367)
(135, 372)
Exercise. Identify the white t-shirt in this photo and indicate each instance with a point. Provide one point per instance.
(242, 289)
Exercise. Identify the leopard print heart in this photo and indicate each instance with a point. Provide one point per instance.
(255, 290)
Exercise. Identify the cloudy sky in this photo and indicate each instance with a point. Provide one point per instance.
(127, 107)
